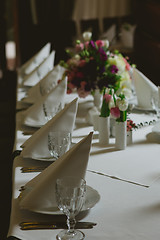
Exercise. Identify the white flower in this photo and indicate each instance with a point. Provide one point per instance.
(118, 61)
(125, 91)
(77, 57)
(122, 104)
(125, 80)
(87, 36)
(106, 43)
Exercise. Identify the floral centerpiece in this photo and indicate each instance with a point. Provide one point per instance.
(92, 66)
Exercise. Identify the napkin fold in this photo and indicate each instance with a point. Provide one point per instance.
(45, 85)
(40, 72)
(144, 89)
(36, 60)
(37, 145)
(35, 115)
(41, 189)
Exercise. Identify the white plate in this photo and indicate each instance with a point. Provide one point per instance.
(92, 197)
(35, 125)
(50, 159)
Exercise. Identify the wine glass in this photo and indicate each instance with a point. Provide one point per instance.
(70, 196)
(58, 143)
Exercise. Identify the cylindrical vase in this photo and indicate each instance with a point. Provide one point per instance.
(121, 135)
(97, 98)
(104, 130)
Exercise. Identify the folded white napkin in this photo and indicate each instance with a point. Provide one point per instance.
(35, 115)
(37, 145)
(41, 189)
(45, 85)
(144, 89)
(36, 60)
(40, 72)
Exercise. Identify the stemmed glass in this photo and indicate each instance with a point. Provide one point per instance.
(58, 143)
(70, 196)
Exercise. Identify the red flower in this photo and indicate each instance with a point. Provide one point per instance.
(100, 43)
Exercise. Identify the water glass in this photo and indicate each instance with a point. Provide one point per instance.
(50, 112)
(70, 196)
(58, 143)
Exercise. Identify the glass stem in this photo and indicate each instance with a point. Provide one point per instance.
(71, 222)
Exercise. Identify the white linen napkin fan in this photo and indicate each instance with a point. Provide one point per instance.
(38, 73)
(45, 85)
(144, 89)
(37, 59)
(41, 189)
(35, 114)
(33, 62)
(37, 145)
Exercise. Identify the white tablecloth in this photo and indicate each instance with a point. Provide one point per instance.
(128, 182)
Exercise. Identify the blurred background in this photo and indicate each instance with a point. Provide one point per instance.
(130, 25)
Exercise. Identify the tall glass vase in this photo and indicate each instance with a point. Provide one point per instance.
(104, 130)
(121, 135)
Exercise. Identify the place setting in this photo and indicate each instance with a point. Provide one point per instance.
(60, 189)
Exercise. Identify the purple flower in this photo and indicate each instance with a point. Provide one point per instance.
(103, 55)
(92, 44)
(113, 69)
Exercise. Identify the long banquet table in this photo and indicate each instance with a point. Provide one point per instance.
(127, 184)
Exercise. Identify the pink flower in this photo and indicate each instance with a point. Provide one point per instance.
(107, 97)
(86, 44)
(79, 47)
(82, 93)
(115, 112)
(100, 43)
(127, 64)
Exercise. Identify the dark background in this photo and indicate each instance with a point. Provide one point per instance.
(56, 26)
